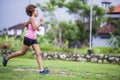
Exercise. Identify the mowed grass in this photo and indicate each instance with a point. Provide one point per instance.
(27, 69)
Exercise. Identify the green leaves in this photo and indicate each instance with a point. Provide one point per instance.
(69, 31)
(114, 41)
(74, 6)
(99, 11)
(51, 5)
(58, 3)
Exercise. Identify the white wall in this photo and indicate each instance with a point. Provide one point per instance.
(11, 32)
(99, 42)
(113, 15)
(19, 32)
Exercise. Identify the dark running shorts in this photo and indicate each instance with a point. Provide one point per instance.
(29, 42)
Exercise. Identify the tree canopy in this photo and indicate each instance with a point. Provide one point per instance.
(81, 11)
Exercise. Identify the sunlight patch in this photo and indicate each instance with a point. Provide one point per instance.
(25, 69)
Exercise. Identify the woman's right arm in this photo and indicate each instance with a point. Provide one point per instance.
(34, 25)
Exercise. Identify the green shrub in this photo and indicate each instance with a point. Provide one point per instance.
(47, 46)
(50, 48)
(107, 50)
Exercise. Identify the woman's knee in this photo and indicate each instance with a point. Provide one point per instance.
(39, 53)
(22, 53)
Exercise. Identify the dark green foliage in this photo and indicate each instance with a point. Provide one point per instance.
(69, 31)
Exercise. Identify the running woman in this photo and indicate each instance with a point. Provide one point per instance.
(30, 39)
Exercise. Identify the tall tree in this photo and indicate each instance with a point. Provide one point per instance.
(82, 15)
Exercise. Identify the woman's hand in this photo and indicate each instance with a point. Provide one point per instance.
(41, 20)
(38, 29)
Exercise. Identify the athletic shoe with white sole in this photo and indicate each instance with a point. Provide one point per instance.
(45, 71)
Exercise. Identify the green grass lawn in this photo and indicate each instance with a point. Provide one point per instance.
(27, 69)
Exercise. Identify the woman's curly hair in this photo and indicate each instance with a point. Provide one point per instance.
(30, 9)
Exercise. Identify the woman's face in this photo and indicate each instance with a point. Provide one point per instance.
(35, 13)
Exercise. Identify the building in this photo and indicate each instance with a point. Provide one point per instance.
(115, 13)
(16, 30)
(103, 33)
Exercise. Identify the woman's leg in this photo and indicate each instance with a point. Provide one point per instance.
(38, 55)
(18, 53)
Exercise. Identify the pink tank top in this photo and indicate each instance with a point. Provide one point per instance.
(30, 32)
